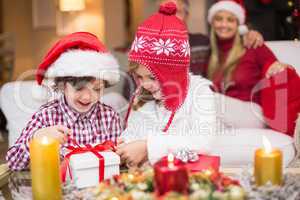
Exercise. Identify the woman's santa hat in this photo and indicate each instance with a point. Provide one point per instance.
(233, 7)
(161, 44)
(79, 54)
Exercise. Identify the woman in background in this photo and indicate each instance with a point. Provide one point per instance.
(236, 70)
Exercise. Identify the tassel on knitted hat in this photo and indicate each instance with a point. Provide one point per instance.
(161, 45)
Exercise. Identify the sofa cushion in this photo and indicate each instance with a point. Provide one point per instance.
(280, 101)
(238, 147)
(286, 52)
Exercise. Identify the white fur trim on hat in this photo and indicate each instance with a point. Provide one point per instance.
(79, 63)
(230, 6)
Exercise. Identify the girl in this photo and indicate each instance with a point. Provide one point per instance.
(81, 68)
(172, 110)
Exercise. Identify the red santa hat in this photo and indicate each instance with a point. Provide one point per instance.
(79, 54)
(234, 7)
(161, 44)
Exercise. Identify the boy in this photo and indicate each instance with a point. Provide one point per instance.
(81, 68)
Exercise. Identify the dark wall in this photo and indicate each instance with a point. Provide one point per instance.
(270, 19)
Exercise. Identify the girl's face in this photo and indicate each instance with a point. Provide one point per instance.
(148, 81)
(225, 25)
(83, 97)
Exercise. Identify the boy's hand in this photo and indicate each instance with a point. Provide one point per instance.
(58, 132)
(120, 141)
(134, 153)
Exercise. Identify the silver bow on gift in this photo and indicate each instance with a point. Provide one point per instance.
(186, 155)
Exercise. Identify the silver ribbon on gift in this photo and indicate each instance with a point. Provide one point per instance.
(186, 155)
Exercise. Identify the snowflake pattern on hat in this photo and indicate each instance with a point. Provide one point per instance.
(186, 48)
(137, 44)
(162, 46)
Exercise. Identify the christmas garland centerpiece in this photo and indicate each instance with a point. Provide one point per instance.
(208, 185)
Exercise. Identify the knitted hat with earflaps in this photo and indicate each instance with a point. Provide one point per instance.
(161, 44)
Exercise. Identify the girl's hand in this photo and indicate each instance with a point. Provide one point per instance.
(134, 153)
(275, 68)
(58, 132)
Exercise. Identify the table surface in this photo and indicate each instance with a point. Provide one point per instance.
(19, 183)
(233, 171)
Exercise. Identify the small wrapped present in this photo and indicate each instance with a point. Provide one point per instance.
(205, 162)
(198, 162)
(86, 170)
(88, 165)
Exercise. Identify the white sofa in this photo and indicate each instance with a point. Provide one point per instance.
(18, 104)
(287, 52)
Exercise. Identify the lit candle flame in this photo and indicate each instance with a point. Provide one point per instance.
(45, 140)
(170, 157)
(208, 172)
(130, 177)
(267, 145)
(170, 160)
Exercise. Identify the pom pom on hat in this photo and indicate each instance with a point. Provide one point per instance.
(243, 29)
(168, 8)
(40, 93)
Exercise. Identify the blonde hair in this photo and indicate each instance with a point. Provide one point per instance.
(144, 96)
(235, 53)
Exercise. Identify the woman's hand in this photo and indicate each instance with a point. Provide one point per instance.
(58, 132)
(134, 153)
(275, 68)
(253, 39)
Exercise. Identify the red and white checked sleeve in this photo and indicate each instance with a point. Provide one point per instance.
(115, 126)
(18, 155)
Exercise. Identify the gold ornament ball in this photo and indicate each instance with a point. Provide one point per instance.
(220, 196)
(236, 193)
(200, 195)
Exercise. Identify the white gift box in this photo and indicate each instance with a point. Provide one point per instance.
(85, 168)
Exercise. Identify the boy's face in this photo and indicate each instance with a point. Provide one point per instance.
(83, 97)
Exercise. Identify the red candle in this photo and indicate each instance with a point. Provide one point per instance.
(170, 175)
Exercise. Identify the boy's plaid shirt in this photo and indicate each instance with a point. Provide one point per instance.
(101, 123)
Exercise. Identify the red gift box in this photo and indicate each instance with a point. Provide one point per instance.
(204, 162)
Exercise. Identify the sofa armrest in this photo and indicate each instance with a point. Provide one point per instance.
(286, 52)
(4, 175)
(296, 161)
